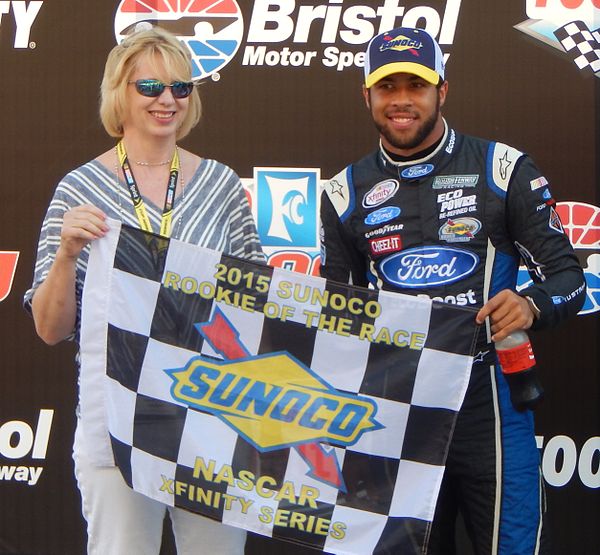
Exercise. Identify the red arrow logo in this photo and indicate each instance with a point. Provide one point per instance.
(324, 466)
(8, 265)
(223, 337)
(225, 340)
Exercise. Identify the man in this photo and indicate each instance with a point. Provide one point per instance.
(435, 213)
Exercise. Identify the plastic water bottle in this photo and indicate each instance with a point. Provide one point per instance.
(516, 358)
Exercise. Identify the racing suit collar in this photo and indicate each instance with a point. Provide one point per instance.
(397, 166)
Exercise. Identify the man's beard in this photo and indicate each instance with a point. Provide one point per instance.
(422, 133)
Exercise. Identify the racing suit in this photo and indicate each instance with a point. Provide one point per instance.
(453, 226)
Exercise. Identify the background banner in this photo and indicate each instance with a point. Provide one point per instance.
(281, 89)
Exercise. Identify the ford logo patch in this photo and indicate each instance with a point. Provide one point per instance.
(422, 267)
(417, 171)
(382, 215)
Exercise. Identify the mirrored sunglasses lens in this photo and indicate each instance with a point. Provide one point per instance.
(181, 89)
(149, 87)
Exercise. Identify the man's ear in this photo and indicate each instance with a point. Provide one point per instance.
(366, 96)
(443, 91)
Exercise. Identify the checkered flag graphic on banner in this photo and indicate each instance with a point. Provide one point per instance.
(284, 404)
(583, 44)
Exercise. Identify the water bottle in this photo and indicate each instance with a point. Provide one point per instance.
(515, 355)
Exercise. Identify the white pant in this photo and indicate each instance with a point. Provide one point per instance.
(121, 521)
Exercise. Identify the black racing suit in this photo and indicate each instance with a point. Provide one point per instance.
(453, 226)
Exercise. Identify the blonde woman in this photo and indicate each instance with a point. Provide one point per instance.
(148, 103)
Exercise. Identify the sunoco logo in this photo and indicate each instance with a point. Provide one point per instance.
(211, 29)
(401, 43)
(273, 401)
(279, 31)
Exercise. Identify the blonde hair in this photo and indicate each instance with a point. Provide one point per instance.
(157, 45)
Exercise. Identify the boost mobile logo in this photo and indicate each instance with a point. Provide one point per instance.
(24, 14)
(212, 29)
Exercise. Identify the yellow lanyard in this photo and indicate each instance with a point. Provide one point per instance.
(138, 202)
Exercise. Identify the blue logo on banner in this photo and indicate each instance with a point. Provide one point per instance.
(428, 266)
(382, 215)
(286, 207)
(417, 171)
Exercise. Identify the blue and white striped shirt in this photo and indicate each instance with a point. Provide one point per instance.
(211, 210)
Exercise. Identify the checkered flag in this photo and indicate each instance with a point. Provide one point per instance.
(583, 44)
(284, 404)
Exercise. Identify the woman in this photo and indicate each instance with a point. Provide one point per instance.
(148, 102)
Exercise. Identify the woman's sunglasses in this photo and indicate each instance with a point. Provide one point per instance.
(154, 88)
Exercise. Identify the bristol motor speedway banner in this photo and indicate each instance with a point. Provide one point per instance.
(280, 85)
(288, 405)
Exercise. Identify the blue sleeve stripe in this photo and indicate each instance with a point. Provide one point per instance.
(504, 273)
(351, 193)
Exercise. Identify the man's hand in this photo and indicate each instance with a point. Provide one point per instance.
(507, 312)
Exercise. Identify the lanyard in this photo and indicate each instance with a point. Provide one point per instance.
(138, 202)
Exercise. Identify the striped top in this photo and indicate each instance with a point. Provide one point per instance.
(211, 210)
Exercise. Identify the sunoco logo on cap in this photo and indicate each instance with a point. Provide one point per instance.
(401, 43)
(212, 29)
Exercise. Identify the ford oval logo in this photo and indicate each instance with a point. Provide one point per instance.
(417, 171)
(382, 215)
(422, 267)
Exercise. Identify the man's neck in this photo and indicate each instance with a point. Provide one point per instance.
(397, 159)
(416, 156)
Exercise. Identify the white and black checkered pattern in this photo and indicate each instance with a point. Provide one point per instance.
(584, 45)
(392, 475)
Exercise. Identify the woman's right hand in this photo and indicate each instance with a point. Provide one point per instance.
(54, 303)
(81, 225)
